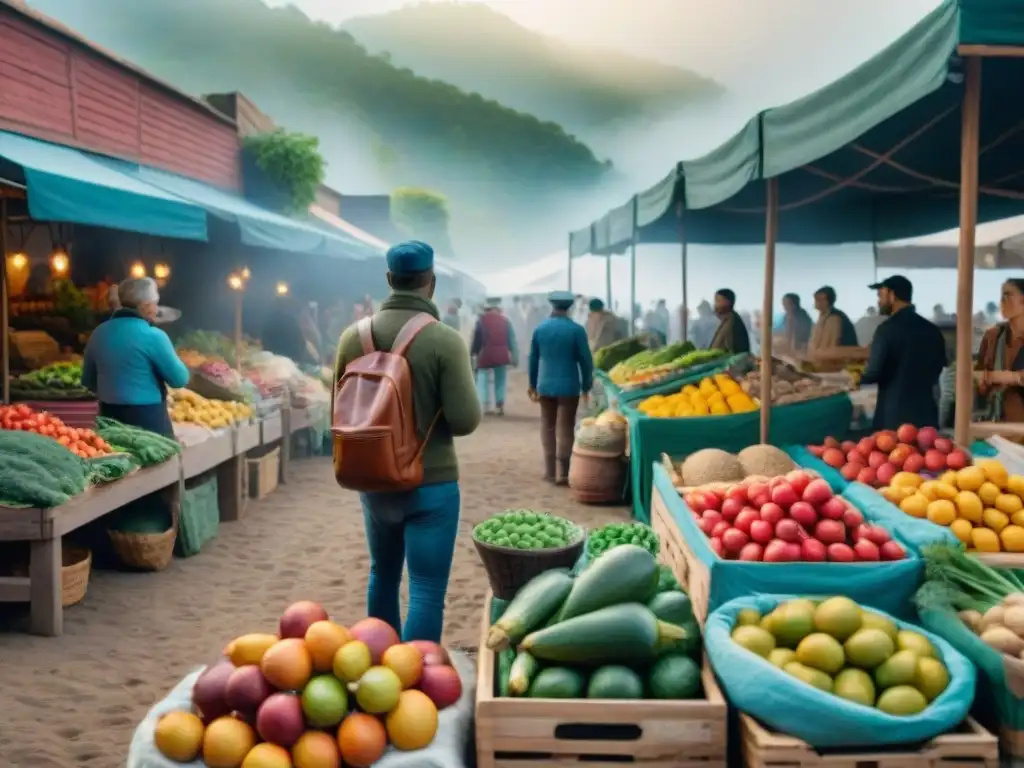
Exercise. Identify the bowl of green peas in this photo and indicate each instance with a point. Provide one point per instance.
(518, 544)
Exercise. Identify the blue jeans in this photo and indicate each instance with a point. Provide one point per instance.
(418, 527)
(483, 389)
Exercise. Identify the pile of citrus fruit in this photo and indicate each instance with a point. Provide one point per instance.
(982, 505)
(314, 695)
(717, 395)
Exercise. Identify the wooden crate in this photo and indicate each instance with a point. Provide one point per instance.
(971, 746)
(689, 569)
(556, 733)
(264, 473)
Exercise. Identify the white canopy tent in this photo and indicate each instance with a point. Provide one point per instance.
(998, 245)
(591, 276)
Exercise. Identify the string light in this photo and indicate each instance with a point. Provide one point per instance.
(282, 289)
(246, 274)
(236, 281)
(137, 270)
(161, 271)
(59, 263)
(19, 261)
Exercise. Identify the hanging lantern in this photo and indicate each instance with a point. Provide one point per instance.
(161, 271)
(59, 263)
(137, 270)
(282, 288)
(18, 261)
(246, 274)
(236, 281)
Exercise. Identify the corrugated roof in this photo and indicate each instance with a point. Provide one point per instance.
(20, 8)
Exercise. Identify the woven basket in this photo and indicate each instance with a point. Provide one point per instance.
(147, 551)
(596, 477)
(74, 575)
(509, 569)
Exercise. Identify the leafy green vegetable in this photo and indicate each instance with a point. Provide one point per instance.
(67, 473)
(527, 529)
(107, 469)
(147, 447)
(617, 534)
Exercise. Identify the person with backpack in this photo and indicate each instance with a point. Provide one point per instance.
(561, 373)
(404, 389)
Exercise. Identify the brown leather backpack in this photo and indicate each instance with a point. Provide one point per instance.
(376, 445)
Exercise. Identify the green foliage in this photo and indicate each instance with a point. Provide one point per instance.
(292, 161)
(71, 303)
(420, 212)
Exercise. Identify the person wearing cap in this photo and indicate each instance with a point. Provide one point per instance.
(833, 328)
(561, 372)
(494, 350)
(603, 327)
(731, 334)
(418, 528)
(129, 363)
(907, 356)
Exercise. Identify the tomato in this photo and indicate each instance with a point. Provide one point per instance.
(23, 411)
(64, 440)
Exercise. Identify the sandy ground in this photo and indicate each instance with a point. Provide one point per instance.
(75, 700)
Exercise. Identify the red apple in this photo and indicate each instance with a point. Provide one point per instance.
(943, 445)
(772, 513)
(745, 519)
(833, 457)
(732, 507)
(804, 514)
(817, 492)
(762, 531)
(907, 433)
(886, 472)
(833, 509)
(784, 495)
(935, 460)
(957, 459)
(877, 459)
(886, 441)
(867, 476)
(914, 463)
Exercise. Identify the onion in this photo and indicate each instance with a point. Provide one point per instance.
(1003, 640)
(1013, 619)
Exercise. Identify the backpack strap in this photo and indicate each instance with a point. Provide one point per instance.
(409, 332)
(365, 330)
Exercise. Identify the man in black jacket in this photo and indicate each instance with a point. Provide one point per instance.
(907, 356)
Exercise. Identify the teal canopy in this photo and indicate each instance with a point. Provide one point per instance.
(258, 226)
(67, 185)
(874, 156)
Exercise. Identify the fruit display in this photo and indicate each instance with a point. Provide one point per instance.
(652, 366)
(600, 540)
(790, 518)
(713, 465)
(876, 459)
(85, 443)
(527, 529)
(618, 630)
(982, 505)
(315, 694)
(608, 357)
(716, 395)
(785, 391)
(198, 347)
(147, 448)
(839, 647)
(57, 381)
(186, 406)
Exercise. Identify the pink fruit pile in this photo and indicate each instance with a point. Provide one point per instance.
(876, 459)
(791, 518)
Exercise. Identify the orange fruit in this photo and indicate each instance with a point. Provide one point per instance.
(287, 665)
(267, 756)
(226, 743)
(413, 723)
(362, 740)
(316, 749)
(323, 639)
(179, 736)
(406, 661)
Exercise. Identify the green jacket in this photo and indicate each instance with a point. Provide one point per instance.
(442, 378)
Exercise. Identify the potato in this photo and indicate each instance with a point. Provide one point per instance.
(993, 617)
(972, 619)
(1003, 640)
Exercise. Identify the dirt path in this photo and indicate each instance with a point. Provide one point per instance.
(74, 701)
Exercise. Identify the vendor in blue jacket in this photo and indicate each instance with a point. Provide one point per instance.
(561, 372)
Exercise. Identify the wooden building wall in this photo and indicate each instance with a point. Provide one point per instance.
(56, 89)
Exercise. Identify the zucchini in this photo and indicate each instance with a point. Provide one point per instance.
(615, 682)
(534, 603)
(505, 658)
(558, 683)
(673, 607)
(674, 677)
(613, 635)
(626, 574)
(524, 669)
(686, 646)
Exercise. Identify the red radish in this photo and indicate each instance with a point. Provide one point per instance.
(907, 433)
(804, 514)
(852, 517)
(784, 495)
(851, 471)
(817, 492)
(876, 534)
(856, 457)
(840, 553)
(720, 528)
(914, 463)
(833, 509)
(935, 460)
(867, 476)
(776, 552)
(798, 480)
(943, 445)
(957, 459)
(866, 550)
(739, 493)
(813, 551)
(734, 540)
(891, 550)
(772, 513)
(717, 547)
(745, 519)
(830, 532)
(788, 530)
(762, 531)
(732, 507)
(886, 472)
(926, 437)
(816, 450)
(752, 552)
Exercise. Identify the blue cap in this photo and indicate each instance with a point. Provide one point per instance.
(410, 257)
(561, 297)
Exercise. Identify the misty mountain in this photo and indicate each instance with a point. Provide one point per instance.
(479, 49)
(381, 126)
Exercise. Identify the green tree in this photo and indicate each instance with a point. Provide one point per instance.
(422, 213)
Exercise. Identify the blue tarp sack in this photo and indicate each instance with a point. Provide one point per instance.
(758, 688)
(888, 585)
(914, 531)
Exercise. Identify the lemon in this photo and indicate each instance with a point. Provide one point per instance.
(1015, 485)
(988, 493)
(969, 506)
(941, 512)
(906, 480)
(994, 519)
(949, 476)
(970, 478)
(994, 471)
(1012, 537)
(945, 491)
(927, 489)
(1008, 503)
(985, 540)
(915, 505)
(962, 530)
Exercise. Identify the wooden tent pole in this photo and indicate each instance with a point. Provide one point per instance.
(684, 320)
(239, 296)
(969, 139)
(632, 275)
(608, 280)
(770, 234)
(4, 304)
(569, 265)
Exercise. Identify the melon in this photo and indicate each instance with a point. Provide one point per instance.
(767, 460)
(711, 465)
